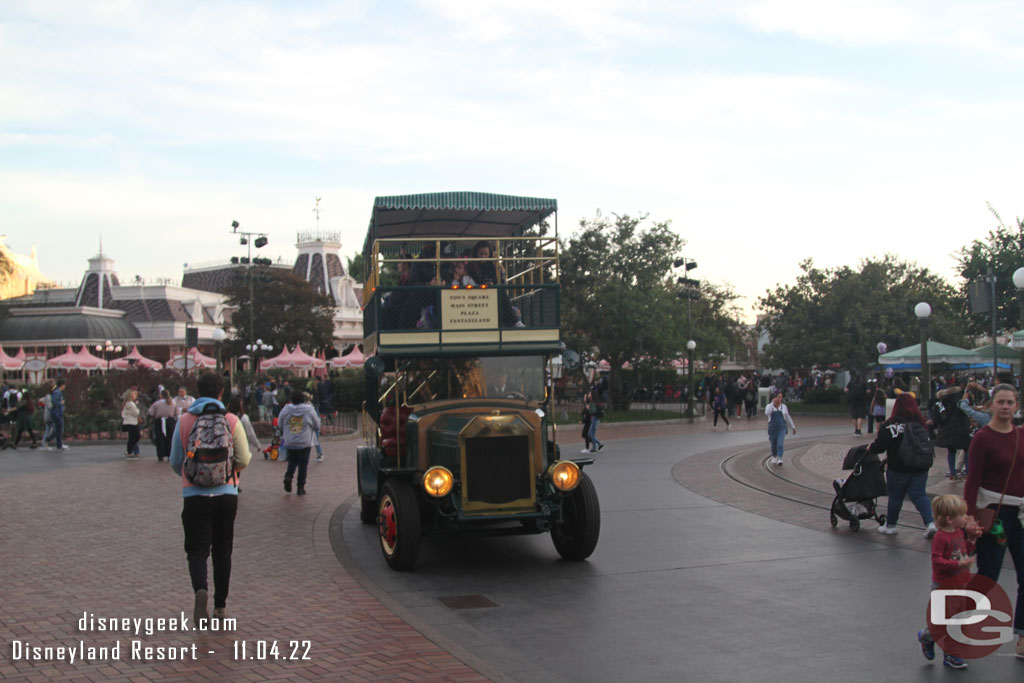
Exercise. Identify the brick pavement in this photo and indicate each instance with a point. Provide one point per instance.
(106, 538)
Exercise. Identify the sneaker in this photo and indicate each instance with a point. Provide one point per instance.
(199, 610)
(927, 644)
(953, 662)
(287, 485)
(728, 426)
(585, 450)
(301, 491)
(888, 530)
(319, 458)
(519, 323)
(778, 460)
(930, 531)
(600, 446)
(1020, 648)
(65, 447)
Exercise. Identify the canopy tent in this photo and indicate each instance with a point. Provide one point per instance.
(135, 358)
(10, 363)
(302, 360)
(352, 359)
(20, 355)
(937, 353)
(1002, 352)
(281, 360)
(195, 360)
(1017, 341)
(69, 360)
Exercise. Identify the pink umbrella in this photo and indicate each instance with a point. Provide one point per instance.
(9, 363)
(135, 358)
(87, 361)
(301, 359)
(281, 360)
(353, 359)
(83, 360)
(195, 360)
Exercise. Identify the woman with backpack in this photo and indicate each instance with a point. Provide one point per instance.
(903, 479)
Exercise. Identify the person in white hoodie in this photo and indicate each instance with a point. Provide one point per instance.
(299, 423)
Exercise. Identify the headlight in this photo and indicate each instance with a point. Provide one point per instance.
(565, 475)
(438, 481)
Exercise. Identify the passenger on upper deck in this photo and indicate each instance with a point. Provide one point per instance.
(485, 272)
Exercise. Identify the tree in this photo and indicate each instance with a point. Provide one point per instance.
(287, 310)
(839, 315)
(619, 298)
(1003, 250)
(356, 268)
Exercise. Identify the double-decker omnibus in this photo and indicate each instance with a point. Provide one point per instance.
(461, 325)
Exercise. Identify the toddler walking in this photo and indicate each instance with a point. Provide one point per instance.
(952, 554)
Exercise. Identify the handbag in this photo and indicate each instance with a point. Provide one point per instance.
(986, 517)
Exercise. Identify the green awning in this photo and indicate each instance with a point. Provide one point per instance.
(456, 215)
(985, 352)
(937, 353)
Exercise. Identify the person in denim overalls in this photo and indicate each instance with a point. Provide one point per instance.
(778, 416)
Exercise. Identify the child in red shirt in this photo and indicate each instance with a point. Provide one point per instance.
(952, 554)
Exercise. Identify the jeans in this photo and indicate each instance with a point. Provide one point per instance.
(900, 484)
(777, 438)
(594, 443)
(58, 427)
(49, 432)
(990, 559)
(950, 461)
(209, 523)
(297, 458)
(133, 439)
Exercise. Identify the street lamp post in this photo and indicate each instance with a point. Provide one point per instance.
(249, 239)
(219, 335)
(107, 348)
(690, 346)
(1018, 282)
(922, 311)
(254, 350)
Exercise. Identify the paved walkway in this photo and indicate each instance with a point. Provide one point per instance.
(87, 532)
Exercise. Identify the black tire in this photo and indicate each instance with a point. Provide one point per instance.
(367, 510)
(399, 524)
(575, 537)
(881, 520)
(832, 518)
(855, 524)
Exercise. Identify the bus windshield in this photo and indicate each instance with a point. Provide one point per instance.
(517, 377)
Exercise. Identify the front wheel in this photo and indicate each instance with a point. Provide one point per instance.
(399, 524)
(575, 537)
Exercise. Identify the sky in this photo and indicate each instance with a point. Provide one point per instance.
(767, 131)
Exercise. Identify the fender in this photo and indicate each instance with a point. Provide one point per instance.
(368, 471)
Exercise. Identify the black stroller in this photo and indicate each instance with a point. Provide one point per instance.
(855, 495)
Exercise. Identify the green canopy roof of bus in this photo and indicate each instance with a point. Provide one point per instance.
(455, 214)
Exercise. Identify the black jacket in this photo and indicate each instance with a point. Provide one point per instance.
(890, 436)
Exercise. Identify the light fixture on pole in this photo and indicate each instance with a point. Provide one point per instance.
(254, 350)
(1018, 282)
(690, 346)
(219, 335)
(923, 311)
(107, 348)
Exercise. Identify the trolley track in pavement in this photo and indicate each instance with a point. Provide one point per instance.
(735, 466)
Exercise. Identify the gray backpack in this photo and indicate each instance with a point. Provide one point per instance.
(210, 453)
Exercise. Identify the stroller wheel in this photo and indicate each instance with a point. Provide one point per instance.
(881, 520)
(832, 518)
(854, 524)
